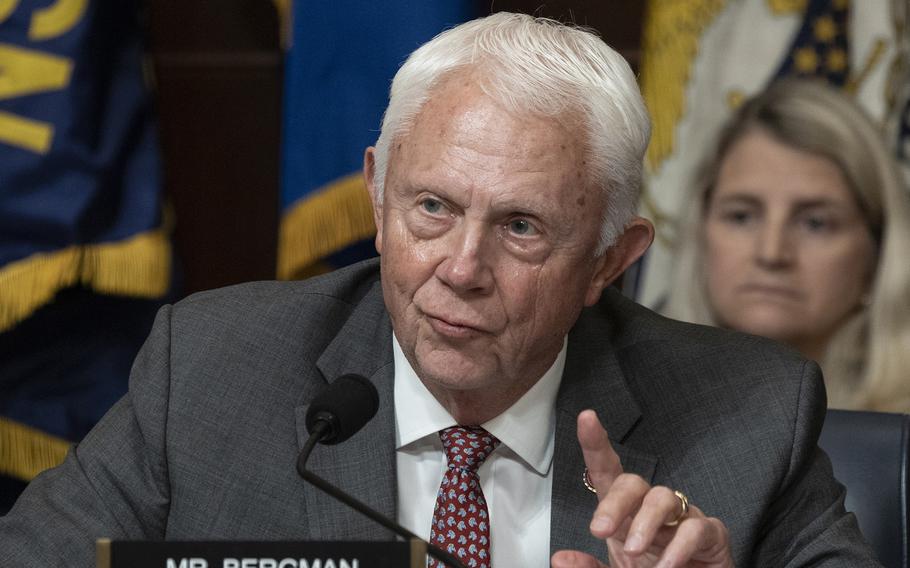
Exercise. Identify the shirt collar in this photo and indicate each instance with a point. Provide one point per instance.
(527, 427)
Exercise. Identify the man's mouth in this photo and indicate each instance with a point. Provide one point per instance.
(453, 328)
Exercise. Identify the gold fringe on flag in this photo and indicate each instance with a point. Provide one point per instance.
(334, 217)
(139, 266)
(25, 452)
(671, 36)
(285, 15)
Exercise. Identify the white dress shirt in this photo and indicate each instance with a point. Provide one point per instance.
(516, 478)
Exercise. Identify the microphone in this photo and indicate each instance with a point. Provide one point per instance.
(342, 409)
(336, 414)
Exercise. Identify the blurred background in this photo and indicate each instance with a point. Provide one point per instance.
(220, 79)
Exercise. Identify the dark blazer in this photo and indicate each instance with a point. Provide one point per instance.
(204, 444)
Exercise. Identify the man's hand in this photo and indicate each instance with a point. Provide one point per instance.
(637, 520)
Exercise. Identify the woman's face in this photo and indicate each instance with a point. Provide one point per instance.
(788, 253)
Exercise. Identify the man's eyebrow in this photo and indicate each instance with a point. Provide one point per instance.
(417, 185)
(412, 187)
(522, 204)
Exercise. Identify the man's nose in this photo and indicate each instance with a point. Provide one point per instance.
(466, 267)
(774, 245)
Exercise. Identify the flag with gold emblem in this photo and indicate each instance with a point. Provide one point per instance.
(339, 68)
(84, 260)
(702, 58)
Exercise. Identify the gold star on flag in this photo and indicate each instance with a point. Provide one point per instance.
(735, 99)
(824, 28)
(805, 60)
(836, 60)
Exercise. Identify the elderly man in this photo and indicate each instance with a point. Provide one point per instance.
(504, 183)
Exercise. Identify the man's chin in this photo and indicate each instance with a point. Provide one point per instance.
(453, 371)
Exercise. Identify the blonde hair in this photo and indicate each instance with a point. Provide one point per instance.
(866, 363)
(541, 67)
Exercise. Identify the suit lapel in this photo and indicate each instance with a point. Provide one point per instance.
(364, 465)
(592, 379)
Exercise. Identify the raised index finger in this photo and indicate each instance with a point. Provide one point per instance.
(601, 460)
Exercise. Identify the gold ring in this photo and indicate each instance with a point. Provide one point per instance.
(683, 509)
(587, 481)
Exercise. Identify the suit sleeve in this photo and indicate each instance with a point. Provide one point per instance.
(807, 524)
(114, 484)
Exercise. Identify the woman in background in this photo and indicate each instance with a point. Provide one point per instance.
(798, 229)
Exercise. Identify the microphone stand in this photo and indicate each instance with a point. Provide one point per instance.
(319, 431)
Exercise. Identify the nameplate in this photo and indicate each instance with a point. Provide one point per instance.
(250, 554)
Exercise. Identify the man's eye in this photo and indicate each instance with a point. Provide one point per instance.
(431, 205)
(522, 227)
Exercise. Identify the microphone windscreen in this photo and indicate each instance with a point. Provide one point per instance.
(347, 405)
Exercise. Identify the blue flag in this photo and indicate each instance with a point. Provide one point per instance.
(84, 260)
(339, 68)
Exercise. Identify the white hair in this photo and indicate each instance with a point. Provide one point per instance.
(544, 68)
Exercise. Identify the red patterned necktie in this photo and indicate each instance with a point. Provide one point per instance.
(461, 523)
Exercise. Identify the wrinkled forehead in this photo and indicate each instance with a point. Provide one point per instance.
(561, 105)
(462, 109)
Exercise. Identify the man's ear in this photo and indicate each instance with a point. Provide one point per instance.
(369, 177)
(629, 247)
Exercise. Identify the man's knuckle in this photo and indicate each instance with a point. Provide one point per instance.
(654, 498)
(719, 528)
(631, 481)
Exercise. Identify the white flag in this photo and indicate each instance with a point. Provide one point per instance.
(702, 58)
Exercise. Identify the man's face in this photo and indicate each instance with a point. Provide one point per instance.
(487, 233)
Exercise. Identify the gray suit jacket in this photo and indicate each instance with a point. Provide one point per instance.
(204, 444)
